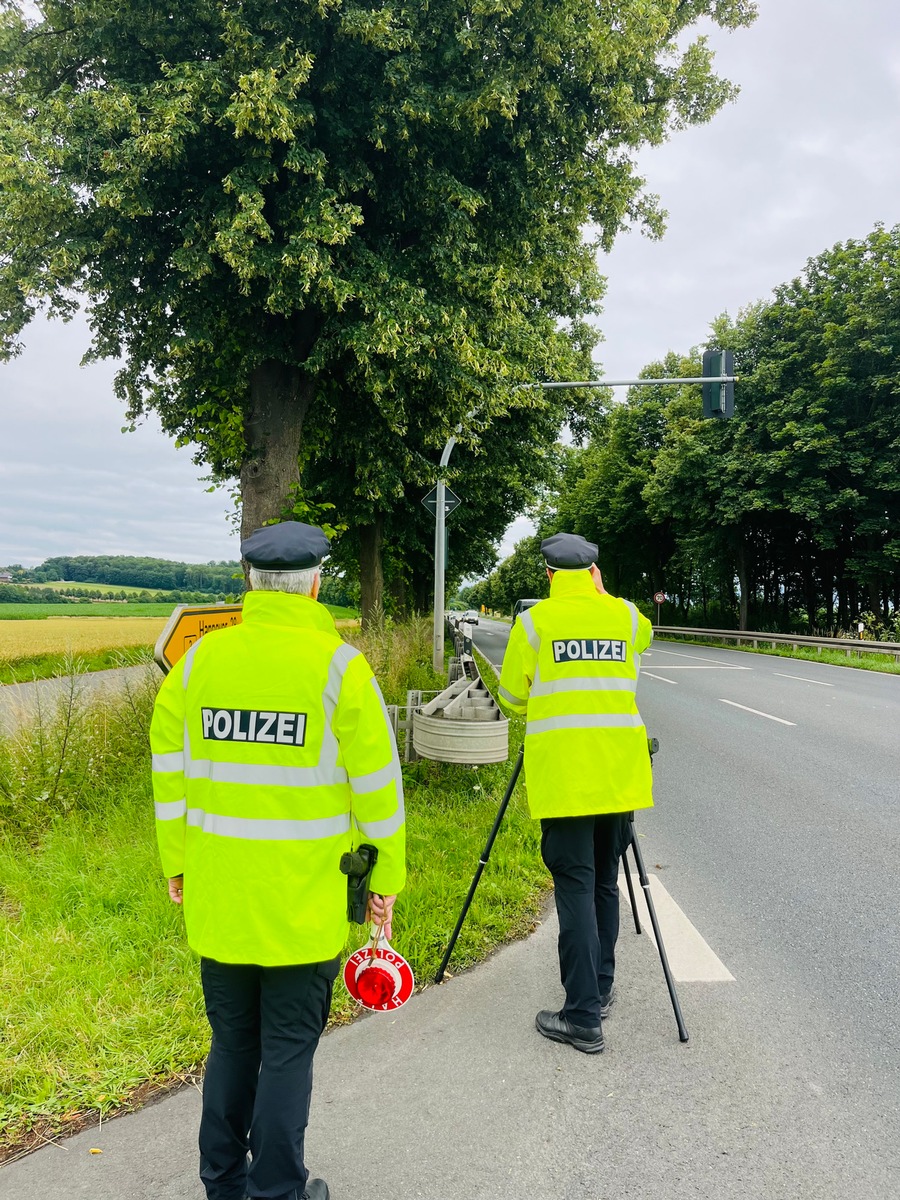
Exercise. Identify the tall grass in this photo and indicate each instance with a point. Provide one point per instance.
(99, 994)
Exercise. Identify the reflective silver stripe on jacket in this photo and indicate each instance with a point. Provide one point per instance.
(188, 664)
(166, 764)
(382, 829)
(597, 684)
(634, 621)
(384, 712)
(258, 829)
(586, 721)
(170, 810)
(374, 781)
(527, 622)
(331, 694)
(507, 695)
(264, 775)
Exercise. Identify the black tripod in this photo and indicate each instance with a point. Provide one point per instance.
(653, 746)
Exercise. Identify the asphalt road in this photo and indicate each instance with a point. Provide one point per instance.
(24, 701)
(777, 831)
(778, 842)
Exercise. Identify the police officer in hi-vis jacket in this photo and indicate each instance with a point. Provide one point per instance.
(272, 756)
(571, 666)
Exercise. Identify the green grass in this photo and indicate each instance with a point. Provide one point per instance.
(857, 656)
(83, 608)
(99, 995)
(71, 587)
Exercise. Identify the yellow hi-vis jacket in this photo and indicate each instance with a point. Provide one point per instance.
(272, 755)
(571, 666)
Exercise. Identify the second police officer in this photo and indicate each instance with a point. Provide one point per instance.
(272, 755)
(571, 666)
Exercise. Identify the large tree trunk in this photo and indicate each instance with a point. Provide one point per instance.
(279, 399)
(371, 573)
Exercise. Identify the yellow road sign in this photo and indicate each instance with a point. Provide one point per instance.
(188, 623)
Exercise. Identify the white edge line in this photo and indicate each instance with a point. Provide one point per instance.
(756, 712)
(803, 679)
(661, 678)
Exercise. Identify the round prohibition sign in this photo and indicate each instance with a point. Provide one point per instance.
(659, 598)
(381, 981)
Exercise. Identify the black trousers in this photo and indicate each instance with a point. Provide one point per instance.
(582, 854)
(266, 1023)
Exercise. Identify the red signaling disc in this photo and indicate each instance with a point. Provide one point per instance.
(380, 982)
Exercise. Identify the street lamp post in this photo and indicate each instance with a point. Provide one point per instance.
(440, 523)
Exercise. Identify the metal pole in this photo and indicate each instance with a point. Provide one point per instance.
(440, 519)
(439, 522)
(599, 383)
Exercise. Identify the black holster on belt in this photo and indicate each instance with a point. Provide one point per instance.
(357, 866)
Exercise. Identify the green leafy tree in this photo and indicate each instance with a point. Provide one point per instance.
(273, 208)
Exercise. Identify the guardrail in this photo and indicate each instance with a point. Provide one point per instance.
(796, 640)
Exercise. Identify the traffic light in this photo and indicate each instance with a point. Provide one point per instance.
(718, 398)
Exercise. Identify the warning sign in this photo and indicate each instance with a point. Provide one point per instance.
(186, 625)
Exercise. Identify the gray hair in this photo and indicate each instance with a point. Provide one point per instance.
(298, 583)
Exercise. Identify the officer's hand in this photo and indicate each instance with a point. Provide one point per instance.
(380, 909)
(176, 888)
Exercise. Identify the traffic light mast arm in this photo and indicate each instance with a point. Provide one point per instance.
(718, 380)
(632, 382)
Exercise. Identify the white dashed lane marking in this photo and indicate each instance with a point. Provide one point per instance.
(692, 960)
(716, 662)
(802, 679)
(661, 678)
(756, 712)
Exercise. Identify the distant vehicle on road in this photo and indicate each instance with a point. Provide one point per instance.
(520, 607)
(471, 616)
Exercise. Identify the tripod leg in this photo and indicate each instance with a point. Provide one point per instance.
(670, 982)
(631, 897)
(482, 863)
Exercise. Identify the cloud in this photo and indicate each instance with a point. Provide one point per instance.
(72, 483)
(805, 158)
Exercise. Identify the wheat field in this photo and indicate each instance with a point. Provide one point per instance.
(76, 635)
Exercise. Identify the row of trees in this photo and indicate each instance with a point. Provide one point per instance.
(171, 582)
(151, 574)
(15, 594)
(320, 238)
(785, 517)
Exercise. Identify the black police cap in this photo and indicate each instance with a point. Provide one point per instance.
(288, 546)
(568, 552)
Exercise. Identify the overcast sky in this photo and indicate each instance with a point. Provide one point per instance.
(806, 157)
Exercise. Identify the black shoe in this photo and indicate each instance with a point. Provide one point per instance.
(316, 1189)
(555, 1026)
(606, 1004)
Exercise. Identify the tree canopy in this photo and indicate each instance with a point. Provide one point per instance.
(788, 515)
(334, 214)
